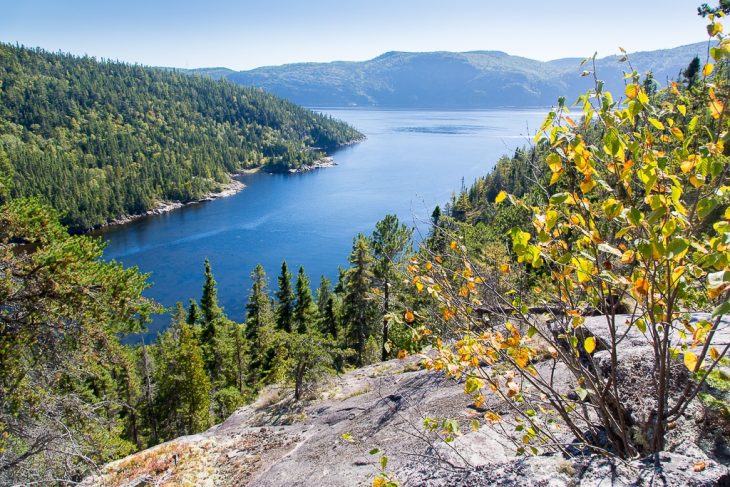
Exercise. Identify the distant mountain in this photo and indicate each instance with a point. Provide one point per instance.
(477, 79)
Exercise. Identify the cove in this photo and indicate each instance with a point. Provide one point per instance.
(410, 162)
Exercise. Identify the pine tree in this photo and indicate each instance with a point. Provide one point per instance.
(305, 311)
(390, 242)
(285, 295)
(358, 306)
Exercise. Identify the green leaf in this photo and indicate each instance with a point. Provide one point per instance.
(722, 309)
(383, 462)
(374, 451)
(559, 198)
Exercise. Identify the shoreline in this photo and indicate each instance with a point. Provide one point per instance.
(233, 187)
(327, 161)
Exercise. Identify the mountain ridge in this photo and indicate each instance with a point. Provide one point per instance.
(446, 79)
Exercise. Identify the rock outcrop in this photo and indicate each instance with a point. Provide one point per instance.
(328, 440)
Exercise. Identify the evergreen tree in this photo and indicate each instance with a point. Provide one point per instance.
(285, 296)
(358, 305)
(692, 73)
(259, 318)
(329, 319)
(183, 398)
(324, 293)
(305, 311)
(390, 242)
(193, 313)
(209, 301)
(309, 357)
(650, 84)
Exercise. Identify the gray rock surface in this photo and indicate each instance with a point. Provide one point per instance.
(326, 441)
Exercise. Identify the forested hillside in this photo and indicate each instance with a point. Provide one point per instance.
(102, 139)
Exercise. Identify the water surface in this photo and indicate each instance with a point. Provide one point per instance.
(410, 162)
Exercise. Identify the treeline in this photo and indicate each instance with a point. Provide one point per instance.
(204, 366)
(102, 139)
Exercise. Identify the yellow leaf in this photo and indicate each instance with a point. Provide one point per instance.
(492, 417)
(409, 317)
(587, 184)
(632, 91)
(641, 286)
(707, 70)
(554, 162)
(500, 197)
(628, 257)
(656, 123)
(714, 28)
(714, 354)
(429, 265)
(379, 482)
(555, 177)
(688, 165)
(447, 314)
(682, 109)
(690, 361)
(522, 357)
(716, 107)
(589, 344)
(402, 354)
(453, 245)
(504, 268)
(419, 287)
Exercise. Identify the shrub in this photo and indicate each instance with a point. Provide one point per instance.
(635, 215)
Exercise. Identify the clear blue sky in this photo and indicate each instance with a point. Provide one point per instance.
(246, 34)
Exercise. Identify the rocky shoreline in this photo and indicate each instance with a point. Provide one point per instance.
(319, 163)
(166, 206)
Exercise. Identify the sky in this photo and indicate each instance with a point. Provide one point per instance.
(246, 34)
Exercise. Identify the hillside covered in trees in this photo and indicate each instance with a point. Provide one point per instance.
(102, 139)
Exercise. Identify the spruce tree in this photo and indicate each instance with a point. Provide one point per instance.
(285, 295)
(209, 301)
(324, 293)
(193, 313)
(259, 318)
(358, 306)
(305, 311)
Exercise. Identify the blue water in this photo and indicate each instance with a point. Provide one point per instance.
(410, 162)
